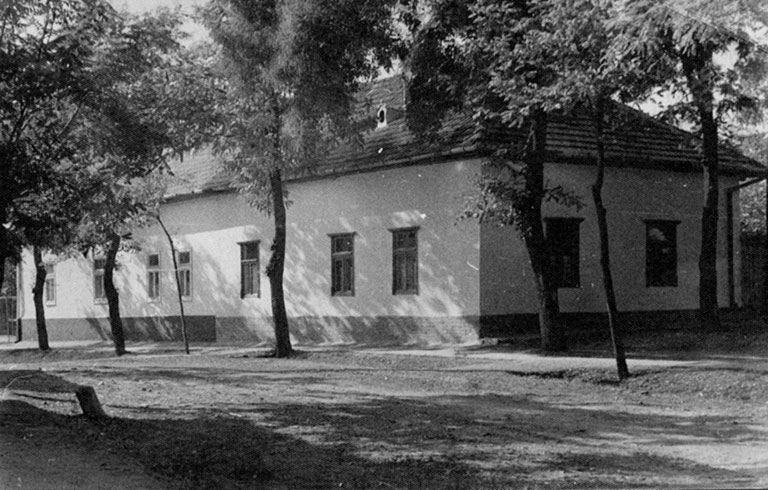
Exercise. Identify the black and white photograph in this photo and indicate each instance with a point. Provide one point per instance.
(383, 244)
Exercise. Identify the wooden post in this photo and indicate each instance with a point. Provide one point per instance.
(178, 285)
(89, 403)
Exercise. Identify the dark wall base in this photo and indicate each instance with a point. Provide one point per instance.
(381, 330)
(502, 326)
(199, 329)
(367, 331)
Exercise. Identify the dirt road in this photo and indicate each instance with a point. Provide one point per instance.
(226, 418)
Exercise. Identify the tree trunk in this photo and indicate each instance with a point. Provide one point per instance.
(276, 267)
(37, 294)
(605, 256)
(550, 325)
(765, 255)
(699, 85)
(182, 318)
(113, 298)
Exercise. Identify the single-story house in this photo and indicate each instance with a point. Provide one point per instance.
(376, 255)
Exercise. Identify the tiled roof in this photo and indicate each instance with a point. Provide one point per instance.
(198, 172)
(649, 144)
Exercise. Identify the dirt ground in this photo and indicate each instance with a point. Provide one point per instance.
(446, 418)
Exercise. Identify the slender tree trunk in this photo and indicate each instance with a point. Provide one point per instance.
(550, 324)
(113, 298)
(605, 256)
(276, 267)
(765, 255)
(699, 85)
(182, 318)
(37, 295)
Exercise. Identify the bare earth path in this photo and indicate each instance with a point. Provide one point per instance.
(226, 418)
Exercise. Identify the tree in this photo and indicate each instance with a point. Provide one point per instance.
(688, 36)
(589, 79)
(291, 70)
(48, 221)
(96, 102)
(44, 51)
(154, 103)
(476, 57)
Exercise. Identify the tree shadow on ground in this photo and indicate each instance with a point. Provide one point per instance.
(512, 440)
(232, 453)
(481, 441)
(364, 440)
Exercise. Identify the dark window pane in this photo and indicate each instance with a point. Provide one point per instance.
(154, 260)
(405, 266)
(341, 244)
(342, 265)
(661, 254)
(563, 241)
(249, 250)
(249, 269)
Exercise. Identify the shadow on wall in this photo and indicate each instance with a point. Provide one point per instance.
(373, 316)
(316, 317)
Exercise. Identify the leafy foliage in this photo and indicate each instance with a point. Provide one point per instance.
(753, 209)
(94, 100)
(713, 37)
(707, 90)
(290, 71)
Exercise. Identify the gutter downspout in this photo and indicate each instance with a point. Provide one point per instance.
(730, 191)
(19, 300)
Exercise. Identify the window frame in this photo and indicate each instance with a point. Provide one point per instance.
(185, 269)
(342, 257)
(409, 254)
(256, 278)
(654, 278)
(98, 278)
(153, 271)
(49, 288)
(560, 277)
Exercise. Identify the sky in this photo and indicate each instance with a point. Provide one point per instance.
(196, 31)
(141, 6)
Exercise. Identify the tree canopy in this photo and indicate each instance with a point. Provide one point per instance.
(290, 73)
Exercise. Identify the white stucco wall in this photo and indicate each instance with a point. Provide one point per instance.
(369, 205)
(631, 196)
(456, 278)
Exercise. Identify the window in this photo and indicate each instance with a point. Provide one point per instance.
(184, 262)
(343, 265)
(405, 261)
(98, 279)
(563, 240)
(381, 117)
(153, 276)
(50, 284)
(661, 253)
(249, 269)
